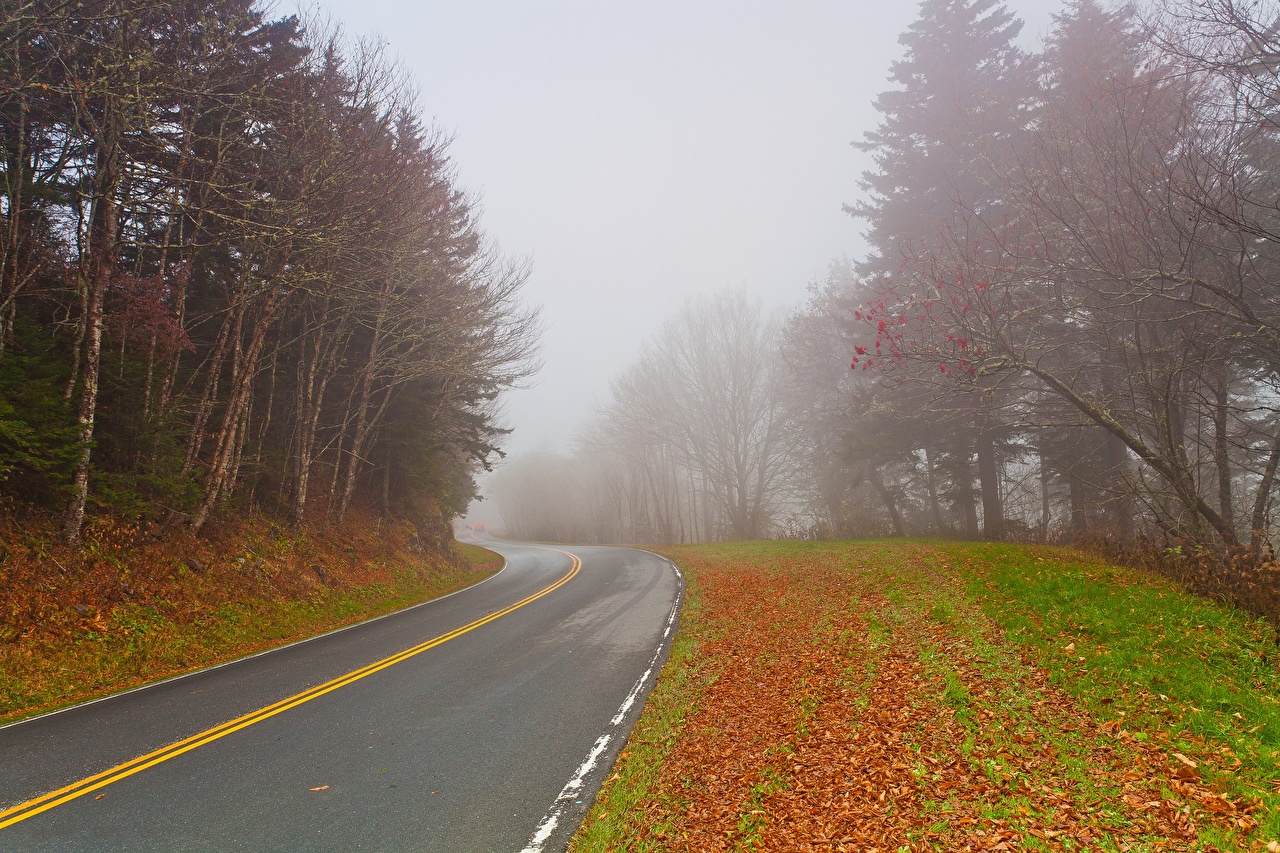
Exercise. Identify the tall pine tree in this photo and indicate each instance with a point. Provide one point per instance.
(962, 93)
(962, 85)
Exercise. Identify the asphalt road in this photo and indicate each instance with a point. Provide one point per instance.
(490, 732)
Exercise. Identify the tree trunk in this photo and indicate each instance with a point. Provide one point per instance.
(1221, 458)
(965, 496)
(877, 483)
(1046, 478)
(307, 415)
(386, 487)
(1079, 517)
(365, 428)
(1258, 523)
(1120, 504)
(102, 230)
(82, 328)
(245, 366)
(989, 475)
(231, 328)
(935, 507)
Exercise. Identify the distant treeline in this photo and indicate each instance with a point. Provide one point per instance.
(235, 266)
(1067, 325)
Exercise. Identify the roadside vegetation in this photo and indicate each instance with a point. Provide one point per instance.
(252, 335)
(1063, 328)
(129, 608)
(920, 695)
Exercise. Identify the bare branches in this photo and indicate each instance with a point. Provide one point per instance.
(210, 192)
(695, 445)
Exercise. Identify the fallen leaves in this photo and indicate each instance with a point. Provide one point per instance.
(135, 605)
(822, 732)
(319, 788)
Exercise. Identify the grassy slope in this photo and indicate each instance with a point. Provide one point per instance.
(928, 695)
(145, 614)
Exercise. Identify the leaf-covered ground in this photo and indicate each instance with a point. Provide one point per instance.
(937, 696)
(133, 605)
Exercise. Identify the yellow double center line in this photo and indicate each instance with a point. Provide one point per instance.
(53, 799)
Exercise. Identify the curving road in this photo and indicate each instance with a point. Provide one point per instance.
(483, 721)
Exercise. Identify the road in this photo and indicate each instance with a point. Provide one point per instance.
(482, 721)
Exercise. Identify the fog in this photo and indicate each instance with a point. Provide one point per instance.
(643, 153)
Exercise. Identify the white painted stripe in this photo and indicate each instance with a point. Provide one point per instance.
(631, 697)
(551, 820)
(567, 793)
(545, 829)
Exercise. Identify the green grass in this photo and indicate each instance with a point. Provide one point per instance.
(1174, 669)
(1157, 665)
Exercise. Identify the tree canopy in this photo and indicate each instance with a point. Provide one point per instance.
(236, 267)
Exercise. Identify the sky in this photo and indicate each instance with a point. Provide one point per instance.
(641, 153)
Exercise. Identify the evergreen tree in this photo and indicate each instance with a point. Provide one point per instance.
(962, 85)
(963, 95)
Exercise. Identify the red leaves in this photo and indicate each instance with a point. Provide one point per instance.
(145, 307)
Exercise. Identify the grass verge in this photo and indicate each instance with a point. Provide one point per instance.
(930, 695)
(251, 589)
(620, 808)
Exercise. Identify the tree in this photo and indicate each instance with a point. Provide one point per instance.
(246, 262)
(696, 444)
(963, 91)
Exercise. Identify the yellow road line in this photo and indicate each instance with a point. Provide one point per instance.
(31, 808)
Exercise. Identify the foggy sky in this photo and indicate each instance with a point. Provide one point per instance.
(642, 152)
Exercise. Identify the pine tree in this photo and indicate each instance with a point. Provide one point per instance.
(963, 93)
(962, 85)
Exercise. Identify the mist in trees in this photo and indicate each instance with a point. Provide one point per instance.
(236, 269)
(695, 445)
(1084, 312)
(1065, 327)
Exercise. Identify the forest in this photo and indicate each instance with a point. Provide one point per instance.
(238, 273)
(1066, 326)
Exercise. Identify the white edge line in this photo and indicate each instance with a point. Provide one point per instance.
(568, 792)
(272, 650)
(547, 826)
(631, 697)
(653, 661)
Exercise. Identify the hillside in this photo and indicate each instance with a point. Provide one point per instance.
(899, 695)
(136, 604)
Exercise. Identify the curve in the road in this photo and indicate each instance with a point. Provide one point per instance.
(384, 748)
(66, 794)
